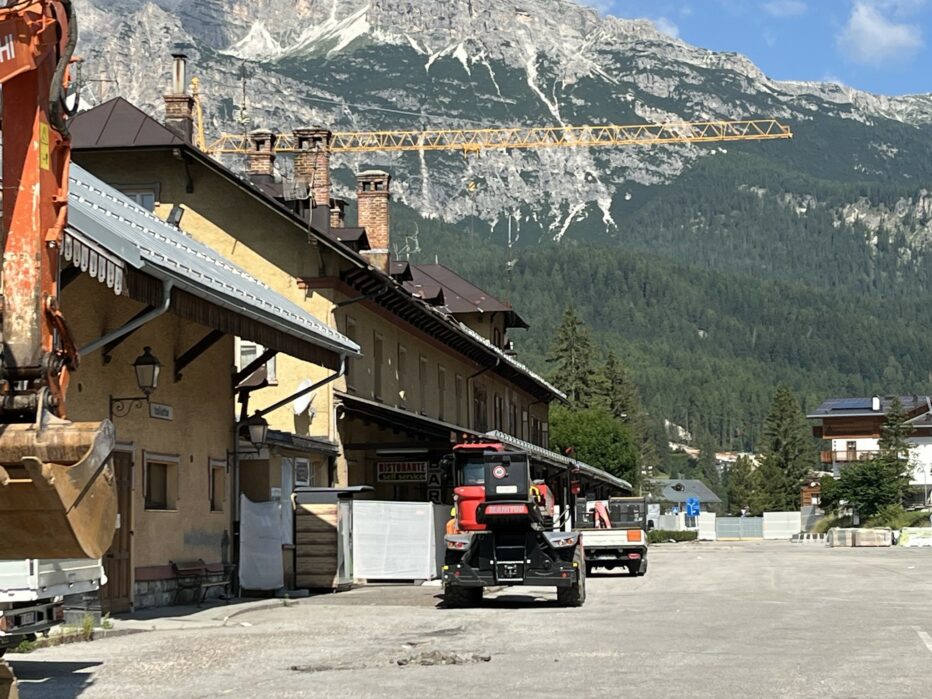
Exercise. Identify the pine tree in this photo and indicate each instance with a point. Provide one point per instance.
(619, 395)
(741, 485)
(572, 353)
(787, 450)
(894, 433)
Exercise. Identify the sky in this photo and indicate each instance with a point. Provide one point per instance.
(882, 46)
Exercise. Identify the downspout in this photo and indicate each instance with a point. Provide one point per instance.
(167, 287)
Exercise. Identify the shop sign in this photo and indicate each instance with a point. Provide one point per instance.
(401, 471)
(161, 412)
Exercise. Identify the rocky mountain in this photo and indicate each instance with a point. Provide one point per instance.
(353, 64)
(716, 271)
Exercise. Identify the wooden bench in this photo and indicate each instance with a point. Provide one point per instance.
(195, 576)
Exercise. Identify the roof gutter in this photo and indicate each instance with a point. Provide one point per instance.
(135, 324)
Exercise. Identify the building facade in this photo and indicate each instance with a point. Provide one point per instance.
(850, 428)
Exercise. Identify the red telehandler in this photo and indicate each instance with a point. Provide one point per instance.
(57, 495)
(505, 530)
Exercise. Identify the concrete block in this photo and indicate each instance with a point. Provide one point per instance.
(916, 537)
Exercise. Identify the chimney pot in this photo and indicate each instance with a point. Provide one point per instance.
(261, 155)
(179, 105)
(372, 199)
(312, 162)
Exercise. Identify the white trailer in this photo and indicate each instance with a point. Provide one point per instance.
(32, 592)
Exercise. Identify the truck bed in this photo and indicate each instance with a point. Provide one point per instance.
(609, 538)
(34, 579)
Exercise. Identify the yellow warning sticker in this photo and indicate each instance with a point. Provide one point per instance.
(44, 160)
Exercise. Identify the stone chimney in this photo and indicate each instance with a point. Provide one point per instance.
(261, 155)
(337, 213)
(179, 105)
(372, 202)
(312, 162)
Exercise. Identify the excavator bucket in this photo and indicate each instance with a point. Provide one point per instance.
(57, 491)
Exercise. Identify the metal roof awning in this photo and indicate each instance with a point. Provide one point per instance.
(554, 459)
(396, 418)
(114, 240)
(289, 440)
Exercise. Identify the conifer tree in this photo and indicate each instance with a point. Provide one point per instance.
(787, 452)
(572, 354)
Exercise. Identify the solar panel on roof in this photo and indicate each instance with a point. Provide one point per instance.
(851, 404)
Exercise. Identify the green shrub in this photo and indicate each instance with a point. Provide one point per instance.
(918, 519)
(823, 525)
(659, 536)
(896, 517)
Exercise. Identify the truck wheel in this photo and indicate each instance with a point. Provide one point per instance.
(633, 569)
(643, 569)
(575, 594)
(589, 568)
(455, 597)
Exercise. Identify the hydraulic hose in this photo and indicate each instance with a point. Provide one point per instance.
(58, 106)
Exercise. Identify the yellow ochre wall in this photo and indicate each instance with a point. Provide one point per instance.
(200, 430)
(252, 236)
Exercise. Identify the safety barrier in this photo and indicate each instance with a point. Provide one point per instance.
(915, 537)
(838, 537)
(808, 538)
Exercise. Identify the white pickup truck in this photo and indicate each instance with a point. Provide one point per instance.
(614, 533)
(32, 592)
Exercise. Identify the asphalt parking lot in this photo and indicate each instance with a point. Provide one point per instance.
(765, 619)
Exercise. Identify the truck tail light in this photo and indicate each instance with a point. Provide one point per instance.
(506, 509)
(634, 556)
(634, 535)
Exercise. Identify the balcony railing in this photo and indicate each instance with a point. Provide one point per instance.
(836, 457)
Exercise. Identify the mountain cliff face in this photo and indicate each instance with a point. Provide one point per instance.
(352, 64)
(716, 271)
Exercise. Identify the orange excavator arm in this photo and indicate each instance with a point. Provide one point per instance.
(57, 498)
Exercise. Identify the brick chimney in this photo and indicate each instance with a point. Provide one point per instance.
(179, 105)
(337, 213)
(261, 155)
(372, 202)
(312, 163)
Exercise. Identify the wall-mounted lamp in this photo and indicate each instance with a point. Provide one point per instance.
(258, 428)
(147, 368)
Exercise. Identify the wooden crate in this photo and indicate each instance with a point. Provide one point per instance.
(316, 547)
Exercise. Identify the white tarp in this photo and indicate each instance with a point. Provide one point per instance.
(260, 548)
(394, 540)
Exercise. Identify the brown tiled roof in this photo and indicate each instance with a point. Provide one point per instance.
(459, 295)
(119, 124)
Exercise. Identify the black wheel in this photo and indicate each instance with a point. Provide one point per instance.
(575, 594)
(2, 651)
(589, 567)
(455, 597)
(633, 569)
(643, 569)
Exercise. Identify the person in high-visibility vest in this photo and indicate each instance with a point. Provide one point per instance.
(451, 525)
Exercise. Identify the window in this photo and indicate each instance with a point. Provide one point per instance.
(497, 337)
(217, 470)
(422, 383)
(460, 390)
(499, 418)
(513, 420)
(524, 425)
(441, 391)
(143, 196)
(377, 359)
(161, 478)
(402, 370)
(545, 435)
(349, 329)
(251, 351)
(304, 472)
(480, 409)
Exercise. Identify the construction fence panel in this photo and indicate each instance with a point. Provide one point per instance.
(671, 523)
(395, 540)
(738, 528)
(707, 526)
(782, 525)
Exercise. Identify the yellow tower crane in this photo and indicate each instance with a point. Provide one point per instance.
(473, 141)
